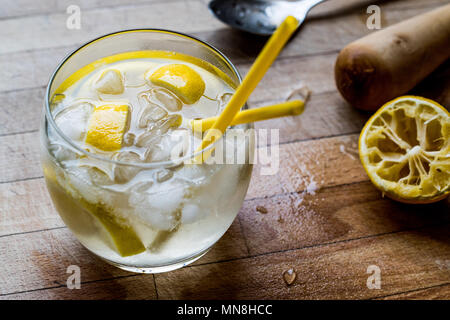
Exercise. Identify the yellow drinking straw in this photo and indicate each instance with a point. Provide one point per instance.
(289, 108)
(251, 80)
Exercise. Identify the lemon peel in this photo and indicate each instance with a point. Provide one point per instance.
(181, 79)
(107, 127)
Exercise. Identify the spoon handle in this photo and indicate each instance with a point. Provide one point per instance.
(301, 8)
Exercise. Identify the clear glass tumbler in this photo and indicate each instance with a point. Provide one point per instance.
(203, 201)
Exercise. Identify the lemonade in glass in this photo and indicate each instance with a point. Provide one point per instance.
(117, 148)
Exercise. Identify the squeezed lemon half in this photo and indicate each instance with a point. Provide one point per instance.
(405, 150)
(181, 79)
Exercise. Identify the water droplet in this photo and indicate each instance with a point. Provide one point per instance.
(289, 276)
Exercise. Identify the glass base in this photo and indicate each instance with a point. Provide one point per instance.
(156, 269)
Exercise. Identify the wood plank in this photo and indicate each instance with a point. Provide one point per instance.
(52, 31)
(11, 9)
(330, 30)
(319, 36)
(21, 110)
(175, 15)
(39, 260)
(310, 165)
(26, 206)
(30, 70)
(407, 262)
(125, 288)
(325, 115)
(435, 293)
(18, 8)
(19, 157)
(339, 7)
(310, 202)
(333, 214)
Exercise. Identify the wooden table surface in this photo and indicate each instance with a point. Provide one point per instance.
(325, 220)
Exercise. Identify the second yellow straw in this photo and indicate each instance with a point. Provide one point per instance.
(253, 77)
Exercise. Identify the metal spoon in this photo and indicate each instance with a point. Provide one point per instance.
(260, 17)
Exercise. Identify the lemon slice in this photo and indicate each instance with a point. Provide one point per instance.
(107, 126)
(181, 79)
(125, 239)
(405, 150)
(66, 191)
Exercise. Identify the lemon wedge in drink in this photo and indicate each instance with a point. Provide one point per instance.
(122, 235)
(405, 150)
(69, 192)
(181, 79)
(107, 126)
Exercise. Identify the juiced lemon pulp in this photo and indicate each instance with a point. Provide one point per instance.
(405, 149)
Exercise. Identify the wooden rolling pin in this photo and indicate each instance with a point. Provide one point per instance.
(388, 63)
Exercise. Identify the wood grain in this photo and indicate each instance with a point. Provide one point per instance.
(30, 68)
(12, 9)
(406, 259)
(52, 31)
(324, 219)
(132, 287)
(26, 206)
(300, 219)
(440, 292)
(19, 157)
(38, 260)
(322, 272)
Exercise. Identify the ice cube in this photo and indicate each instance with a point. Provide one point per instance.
(150, 114)
(147, 140)
(128, 139)
(166, 99)
(124, 173)
(164, 175)
(160, 210)
(223, 99)
(63, 152)
(171, 146)
(99, 177)
(73, 120)
(192, 213)
(110, 82)
(142, 186)
(195, 173)
(79, 183)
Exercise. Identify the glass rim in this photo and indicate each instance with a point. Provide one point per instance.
(169, 163)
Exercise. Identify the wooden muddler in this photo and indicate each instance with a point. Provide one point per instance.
(388, 63)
